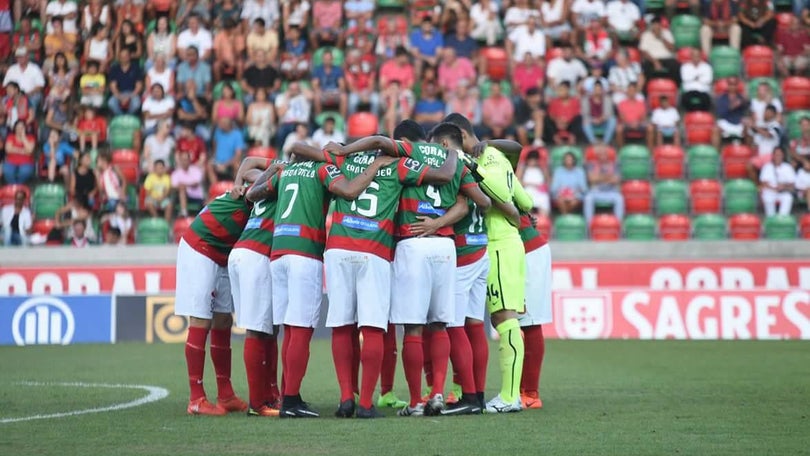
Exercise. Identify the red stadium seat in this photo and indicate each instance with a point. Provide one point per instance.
(263, 152)
(43, 226)
(181, 224)
(129, 163)
(541, 152)
(553, 53)
(668, 160)
(657, 88)
(796, 93)
(637, 197)
(674, 227)
(783, 20)
(706, 195)
(634, 54)
(497, 62)
(219, 188)
(735, 161)
(804, 226)
(699, 127)
(743, 227)
(685, 54)
(590, 154)
(400, 21)
(544, 226)
(721, 86)
(362, 124)
(8, 192)
(758, 61)
(605, 227)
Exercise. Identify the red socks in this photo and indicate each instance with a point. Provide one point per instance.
(440, 355)
(412, 361)
(296, 359)
(221, 356)
(271, 392)
(195, 360)
(462, 358)
(535, 349)
(389, 361)
(480, 354)
(343, 357)
(355, 360)
(285, 346)
(255, 359)
(371, 356)
(427, 356)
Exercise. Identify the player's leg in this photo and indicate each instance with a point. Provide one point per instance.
(341, 287)
(474, 327)
(389, 366)
(272, 393)
(220, 348)
(442, 261)
(538, 312)
(196, 275)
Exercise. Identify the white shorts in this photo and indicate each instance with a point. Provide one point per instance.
(471, 291)
(297, 290)
(203, 287)
(359, 288)
(538, 288)
(252, 290)
(423, 288)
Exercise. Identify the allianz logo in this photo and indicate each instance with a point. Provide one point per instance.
(43, 320)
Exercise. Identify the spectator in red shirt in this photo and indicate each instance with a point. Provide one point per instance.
(453, 69)
(188, 142)
(399, 69)
(529, 73)
(497, 114)
(564, 112)
(18, 167)
(91, 127)
(28, 38)
(327, 17)
(632, 116)
(793, 45)
(360, 76)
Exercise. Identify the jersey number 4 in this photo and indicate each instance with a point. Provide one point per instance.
(371, 210)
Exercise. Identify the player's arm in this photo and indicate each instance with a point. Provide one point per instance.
(386, 145)
(494, 179)
(445, 173)
(351, 189)
(427, 226)
(509, 211)
(522, 199)
(244, 173)
(307, 152)
(478, 197)
(506, 146)
(262, 188)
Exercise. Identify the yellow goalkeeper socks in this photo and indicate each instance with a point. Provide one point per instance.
(510, 351)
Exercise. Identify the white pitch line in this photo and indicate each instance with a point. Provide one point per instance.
(156, 393)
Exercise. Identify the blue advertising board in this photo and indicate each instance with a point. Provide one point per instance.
(56, 320)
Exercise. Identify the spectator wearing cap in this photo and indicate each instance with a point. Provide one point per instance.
(228, 148)
(486, 25)
(192, 68)
(465, 102)
(696, 83)
(527, 40)
(328, 133)
(329, 85)
(623, 17)
(360, 78)
(719, 19)
(126, 85)
(268, 10)
(497, 114)
(454, 69)
(657, 47)
(327, 19)
(28, 77)
(429, 110)
(757, 22)
(564, 111)
(566, 69)
(731, 108)
(195, 36)
(530, 118)
(399, 69)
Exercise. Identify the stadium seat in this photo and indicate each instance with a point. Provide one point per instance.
(340, 122)
(47, 199)
(43, 226)
(674, 227)
(121, 131)
(668, 162)
(268, 152)
(686, 30)
(706, 195)
(794, 123)
(783, 20)
(699, 127)
(740, 196)
(337, 56)
(133, 199)
(780, 227)
(804, 226)
(751, 86)
(553, 53)
(153, 231)
(181, 224)
(659, 87)
(542, 153)
(129, 163)
(735, 161)
(400, 20)
(685, 54)
(486, 87)
(671, 197)
(558, 152)
(743, 227)
(8, 192)
(709, 227)
(497, 62)
(721, 87)
(637, 196)
(605, 227)
(544, 226)
(217, 94)
(392, 4)
(634, 162)
(639, 227)
(634, 54)
(362, 124)
(758, 61)
(796, 93)
(725, 61)
(570, 227)
(703, 162)
(590, 154)
(219, 188)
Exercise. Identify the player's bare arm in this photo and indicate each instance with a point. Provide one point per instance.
(509, 210)
(248, 164)
(428, 226)
(445, 173)
(384, 144)
(260, 190)
(351, 189)
(306, 152)
(478, 197)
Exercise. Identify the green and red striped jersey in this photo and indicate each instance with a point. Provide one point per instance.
(471, 236)
(428, 200)
(303, 200)
(367, 223)
(258, 232)
(532, 239)
(218, 226)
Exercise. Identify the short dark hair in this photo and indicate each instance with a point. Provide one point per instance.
(114, 231)
(261, 22)
(446, 130)
(400, 50)
(159, 162)
(460, 122)
(770, 107)
(92, 63)
(409, 129)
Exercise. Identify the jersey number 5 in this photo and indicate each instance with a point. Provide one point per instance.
(294, 189)
(371, 211)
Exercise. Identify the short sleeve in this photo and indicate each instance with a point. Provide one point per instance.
(329, 174)
(467, 179)
(272, 183)
(332, 159)
(411, 172)
(404, 148)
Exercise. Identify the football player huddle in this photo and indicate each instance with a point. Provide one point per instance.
(430, 232)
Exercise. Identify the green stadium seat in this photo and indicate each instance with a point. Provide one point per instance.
(740, 196)
(634, 162)
(557, 154)
(153, 231)
(570, 227)
(237, 89)
(781, 227)
(484, 88)
(639, 227)
(671, 197)
(793, 123)
(337, 56)
(133, 199)
(709, 227)
(726, 62)
(686, 31)
(751, 86)
(121, 131)
(340, 122)
(391, 4)
(703, 162)
(47, 199)
(151, 25)
(654, 5)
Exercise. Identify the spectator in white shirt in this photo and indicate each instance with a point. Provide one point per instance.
(777, 178)
(529, 39)
(664, 123)
(300, 134)
(696, 83)
(584, 12)
(292, 107)
(486, 25)
(265, 9)
(358, 10)
(657, 46)
(622, 74)
(28, 77)
(16, 221)
(566, 69)
(196, 36)
(66, 9)
(803, 183)
(555, 14)
(767, 136)
(622, 18)
(156, 107)
(762, 100)
(328, 133)
(518, 15)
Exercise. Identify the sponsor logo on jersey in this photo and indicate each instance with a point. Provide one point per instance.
(287, 230)
(333, 171)
(412, 164)
(476, 239)
(359, 223)
(424, 207)
(253, 224)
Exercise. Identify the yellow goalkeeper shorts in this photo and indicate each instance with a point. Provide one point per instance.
(507, 276)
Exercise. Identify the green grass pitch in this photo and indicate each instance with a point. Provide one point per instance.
(601, 398)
